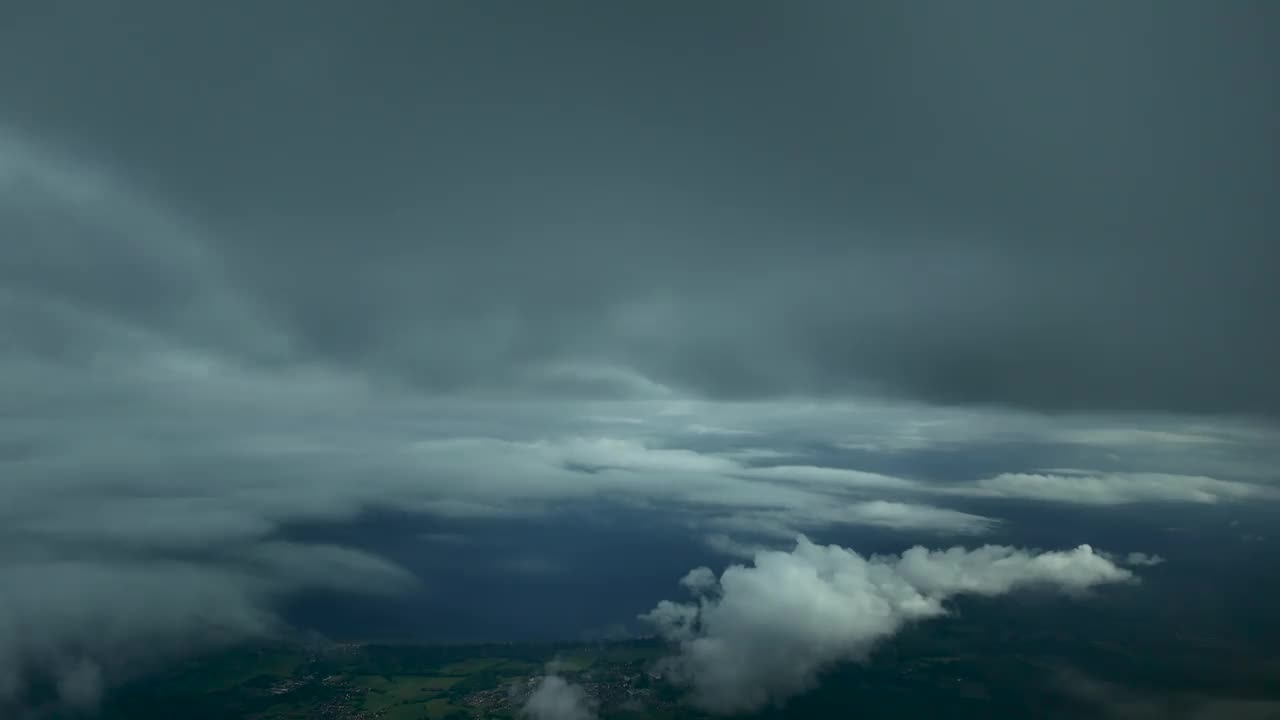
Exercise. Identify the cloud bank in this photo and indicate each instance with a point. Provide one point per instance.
(765, 631)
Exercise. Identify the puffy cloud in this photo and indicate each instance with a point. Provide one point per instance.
(767, 630)
(555, 698)
(997, 570)
(699, 580)
(1140, 559)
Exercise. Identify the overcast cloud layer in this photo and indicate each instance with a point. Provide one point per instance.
(769, 269)
(1048, 207)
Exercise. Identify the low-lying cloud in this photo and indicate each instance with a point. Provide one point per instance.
(77, 620)
(764, 632)
(555, 698)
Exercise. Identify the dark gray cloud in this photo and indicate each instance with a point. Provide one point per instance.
(272, 266)
(1057, 208)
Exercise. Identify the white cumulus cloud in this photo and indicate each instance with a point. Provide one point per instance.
(765, 631)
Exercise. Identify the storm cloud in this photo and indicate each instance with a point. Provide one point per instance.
(761, 269)
(738, 202)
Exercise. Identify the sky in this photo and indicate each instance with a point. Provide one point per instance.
(743, 279)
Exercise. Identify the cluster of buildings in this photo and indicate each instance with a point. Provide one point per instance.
(610, 688)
